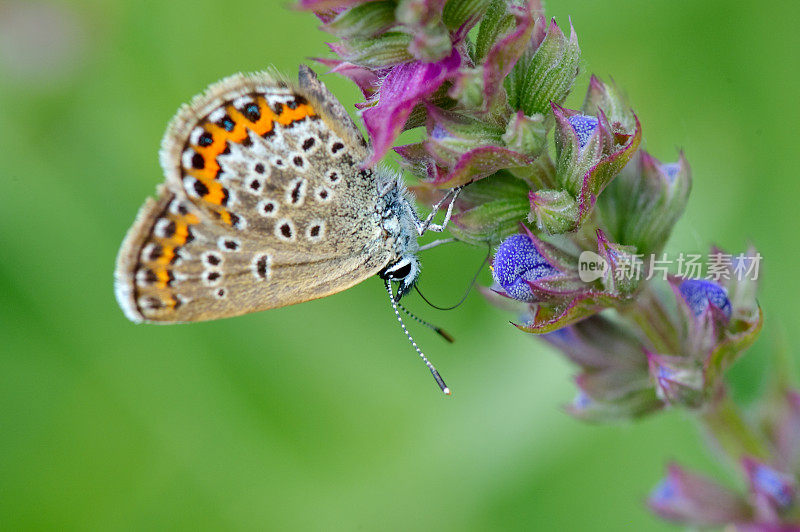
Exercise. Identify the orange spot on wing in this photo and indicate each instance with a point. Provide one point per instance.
(162, 278)
(171, 302)
(265, 124)
(215, 193)
(289, 116)
(220, 137)
(181, 232)
(167, 253)
(210, 152)
(161, 265)
(239, 132)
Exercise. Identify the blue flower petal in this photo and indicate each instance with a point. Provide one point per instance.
(584, 127)
(518, 262)
(671, 171)
(770, 482)
(699, 294)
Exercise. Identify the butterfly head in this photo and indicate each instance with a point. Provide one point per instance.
(405, 272)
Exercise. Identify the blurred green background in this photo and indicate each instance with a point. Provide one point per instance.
(320, 416)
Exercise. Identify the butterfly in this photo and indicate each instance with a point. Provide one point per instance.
(267, 203)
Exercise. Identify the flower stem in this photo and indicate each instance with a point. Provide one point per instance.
(724, 422)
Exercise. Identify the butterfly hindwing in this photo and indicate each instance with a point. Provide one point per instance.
(265, 205)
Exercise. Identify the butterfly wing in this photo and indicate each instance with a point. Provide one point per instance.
(265, 205)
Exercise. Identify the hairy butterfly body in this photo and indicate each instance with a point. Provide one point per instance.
(265, 204)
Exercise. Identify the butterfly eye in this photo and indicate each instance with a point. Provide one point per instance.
(403, 272)
(397, 271)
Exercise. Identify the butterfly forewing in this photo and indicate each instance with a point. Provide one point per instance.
(265, 205)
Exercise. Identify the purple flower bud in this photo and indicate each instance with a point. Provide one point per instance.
(608, 99)
(590, 153)
(582, 401)
(671, 171)
(584, 127)
(518, 262)
(678, 380)
(688, 498)
(613, 407)
(699, 294)
(643, 203)
(777, 487)
(598, 343)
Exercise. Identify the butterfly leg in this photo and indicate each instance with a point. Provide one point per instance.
(427, 225)
(436, 243)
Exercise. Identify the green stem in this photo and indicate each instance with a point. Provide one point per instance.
(724, 422)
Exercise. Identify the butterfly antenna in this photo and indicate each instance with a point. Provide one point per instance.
(438, 330)
(466, 293)
(436, 376)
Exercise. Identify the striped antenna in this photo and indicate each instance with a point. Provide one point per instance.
(438, 330)
(436, 376)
